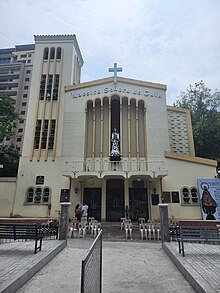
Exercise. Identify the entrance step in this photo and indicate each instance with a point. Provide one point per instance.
(112, 231)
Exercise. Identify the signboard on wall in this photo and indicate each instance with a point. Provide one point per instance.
(64, 195)
(209, 190)
(40, 180)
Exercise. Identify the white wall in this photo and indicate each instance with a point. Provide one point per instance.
(7, 195)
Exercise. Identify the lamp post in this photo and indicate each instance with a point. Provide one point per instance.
(1, 168)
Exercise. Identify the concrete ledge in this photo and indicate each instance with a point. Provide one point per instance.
(17, 281)
(189, 273)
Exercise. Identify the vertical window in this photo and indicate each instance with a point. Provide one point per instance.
(52, 133)
(42, 86)
(30, 195)
(186, 198)
(49, 86)
(44, 135)
(59, 53)
(38, 194)
(46, 195)
(52, 53)
(37, 134)
(56, 87)
(194, 195)
(46, 52)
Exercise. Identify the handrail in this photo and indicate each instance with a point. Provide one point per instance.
(105, 165)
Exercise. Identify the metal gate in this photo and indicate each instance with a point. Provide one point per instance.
(91, 274)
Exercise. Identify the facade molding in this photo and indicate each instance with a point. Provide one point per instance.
(119, 79)
(61, 38)
(191, 159)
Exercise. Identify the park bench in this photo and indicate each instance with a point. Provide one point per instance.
(22, 231)
(201, 234)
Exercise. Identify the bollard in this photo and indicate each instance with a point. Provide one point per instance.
(64, 220)
(164, 222)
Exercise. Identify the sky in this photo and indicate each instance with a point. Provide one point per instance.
(173, 42)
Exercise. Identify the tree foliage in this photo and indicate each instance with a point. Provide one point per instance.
(8, 117)
(9, 158)
(9, 155)
(204, 107)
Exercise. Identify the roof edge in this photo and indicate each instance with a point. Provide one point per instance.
(191, 159)
(121, 79)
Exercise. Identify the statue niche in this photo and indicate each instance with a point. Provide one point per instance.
(115, 152)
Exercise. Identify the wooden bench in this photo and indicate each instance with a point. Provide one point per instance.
(197, 233)
(22, 231)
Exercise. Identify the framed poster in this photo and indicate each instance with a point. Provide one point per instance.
(64, 195)
(155, 199)
(209, 190)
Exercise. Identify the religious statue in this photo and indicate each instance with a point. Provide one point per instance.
(115, 152)
(208, 204)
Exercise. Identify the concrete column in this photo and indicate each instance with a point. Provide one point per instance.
(103, 201)
(126, 192)
(164, 222)
(64, 220)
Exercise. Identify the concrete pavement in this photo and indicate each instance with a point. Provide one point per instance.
(128, 266)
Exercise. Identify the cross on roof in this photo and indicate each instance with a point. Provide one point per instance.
(115, 69)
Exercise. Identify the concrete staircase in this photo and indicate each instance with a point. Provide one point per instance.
(112, 231)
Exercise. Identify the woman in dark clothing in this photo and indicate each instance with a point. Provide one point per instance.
(78, 213)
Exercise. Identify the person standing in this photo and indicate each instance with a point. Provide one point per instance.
(78, 213)
(85, 212)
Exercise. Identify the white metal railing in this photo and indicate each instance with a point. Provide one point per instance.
(105, 165)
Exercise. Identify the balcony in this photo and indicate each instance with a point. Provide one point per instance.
(6, 76)
(124, 169)
(8, 83)
(8, 92)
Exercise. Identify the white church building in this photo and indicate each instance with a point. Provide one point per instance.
(112, 143)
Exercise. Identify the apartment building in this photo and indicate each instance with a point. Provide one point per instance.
(15, 80)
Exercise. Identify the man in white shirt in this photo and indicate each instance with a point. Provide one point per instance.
(85, 212)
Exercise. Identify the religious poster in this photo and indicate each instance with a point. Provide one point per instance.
(209, 189)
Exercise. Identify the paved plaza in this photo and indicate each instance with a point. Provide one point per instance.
(128, 266)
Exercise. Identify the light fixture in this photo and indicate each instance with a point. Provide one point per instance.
(138, 179)
(218, 170)
(76, 190)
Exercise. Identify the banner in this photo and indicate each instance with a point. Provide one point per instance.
(209, 190)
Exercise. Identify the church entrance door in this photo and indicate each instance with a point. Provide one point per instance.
(92, 197)
(114, 199)
(138, 205)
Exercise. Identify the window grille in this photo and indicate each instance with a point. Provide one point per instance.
(37, 134)
(44, 135)
(42, 86)
(56, 87)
